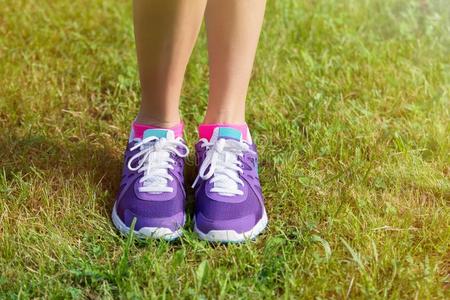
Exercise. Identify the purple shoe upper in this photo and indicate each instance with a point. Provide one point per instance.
(152, 185)
(228, 194)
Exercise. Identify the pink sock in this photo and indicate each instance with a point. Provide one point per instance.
(205, 131)
(138, 129)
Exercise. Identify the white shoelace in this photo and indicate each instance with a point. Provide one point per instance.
(155, 162)
(223, 166)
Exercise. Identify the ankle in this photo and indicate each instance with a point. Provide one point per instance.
(157, 122)
(224, 117)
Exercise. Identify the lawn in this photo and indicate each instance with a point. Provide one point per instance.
(349, 105)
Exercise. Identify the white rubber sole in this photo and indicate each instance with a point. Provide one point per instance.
(231, 236)
(146, 232)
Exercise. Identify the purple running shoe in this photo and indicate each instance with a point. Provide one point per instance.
(152, 186)
(229, 205)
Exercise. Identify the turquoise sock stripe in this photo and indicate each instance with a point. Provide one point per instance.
(159, 133)
(230, 133)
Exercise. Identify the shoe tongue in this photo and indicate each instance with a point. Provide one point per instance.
(226, 133)
(159, 133)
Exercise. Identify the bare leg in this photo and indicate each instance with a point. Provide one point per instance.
(165, 32)
(233, 28)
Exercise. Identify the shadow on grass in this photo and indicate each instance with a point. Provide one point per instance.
(50, 158)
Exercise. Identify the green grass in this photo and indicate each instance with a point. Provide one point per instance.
(349, 105)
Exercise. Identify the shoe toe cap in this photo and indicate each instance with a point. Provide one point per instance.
(173, 222)
(239, 225)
